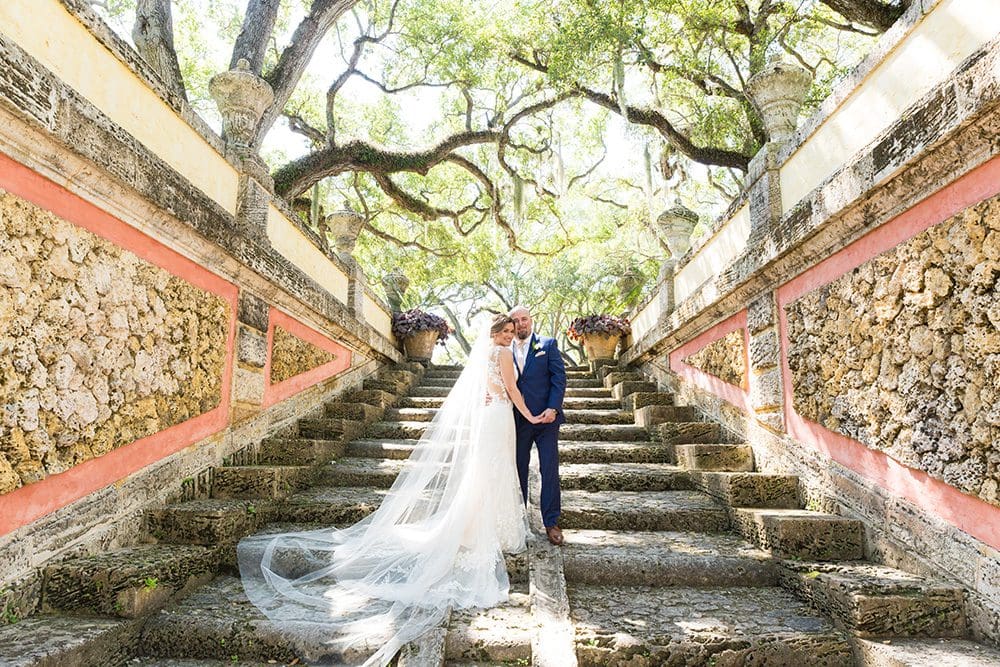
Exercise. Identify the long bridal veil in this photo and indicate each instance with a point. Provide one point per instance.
(358, 594)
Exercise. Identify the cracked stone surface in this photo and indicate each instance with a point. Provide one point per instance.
(500, 634)
(58, 641)
(927, 653)
(379, 473)
(330, 504)
(639, 625)
(650, 510)
(623, 477)
(611, 452)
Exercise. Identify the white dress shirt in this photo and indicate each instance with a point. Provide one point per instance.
(521, 351)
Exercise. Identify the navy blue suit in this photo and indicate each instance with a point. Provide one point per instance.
(542, 382)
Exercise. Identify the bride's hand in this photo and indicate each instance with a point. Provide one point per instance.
(535, 419)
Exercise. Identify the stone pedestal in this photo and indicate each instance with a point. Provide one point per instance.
(251, 356)
(764, 373)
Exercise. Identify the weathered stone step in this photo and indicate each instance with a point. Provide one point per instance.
(603, 432)
(610, 452)
(651, 415)
(714, 456)
(380, 448)
(181, 662)
(329, 505)
(282, 450)
(569, 403)
(749, 489)
(67, 641)
(127, 582)
(926, 653)
(682, 433)
(501, 634)
(699, 626)
(629, 510)
(623, 389)
(610, 376)
(438, 372)
(377, 473)
(587, 392)
(207, 522)
(259, 482)
(793, 533)
(330, 429)
(665, 559)
(575, 382)
(623, 477)
(355, 411)
(589, 416)
(376, 397)
(642, 399)
(878, 601)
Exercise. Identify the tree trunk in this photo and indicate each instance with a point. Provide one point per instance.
(872, 13)
(459, 336)
(153, 34)
(258, 24)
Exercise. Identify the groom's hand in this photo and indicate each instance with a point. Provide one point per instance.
(549, 416)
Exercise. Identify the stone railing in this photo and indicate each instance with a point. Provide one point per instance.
(860, 265)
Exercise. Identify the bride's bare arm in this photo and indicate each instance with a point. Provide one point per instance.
(507, 374)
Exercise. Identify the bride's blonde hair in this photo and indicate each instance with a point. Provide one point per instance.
(499, 322)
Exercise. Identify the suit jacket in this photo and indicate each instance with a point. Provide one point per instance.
(542, 381)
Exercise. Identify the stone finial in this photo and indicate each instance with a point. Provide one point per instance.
(778, 92)
(627, 282)
(395, 284)
(242, 98)
(675, 226)
(345, 225)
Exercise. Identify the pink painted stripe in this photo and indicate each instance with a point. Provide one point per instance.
(274, 393)
(28, 503)
(738, 396)
(966, 512)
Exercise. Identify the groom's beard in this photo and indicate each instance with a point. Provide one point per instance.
(523, 336)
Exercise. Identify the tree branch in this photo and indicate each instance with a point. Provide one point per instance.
(872, 13)
(258, 24)
(153, 35)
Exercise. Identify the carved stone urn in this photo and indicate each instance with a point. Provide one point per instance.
(242, 98)
(344, 225)
(778, 92)
(395, 284)
(675, 226)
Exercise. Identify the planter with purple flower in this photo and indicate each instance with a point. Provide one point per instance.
(419, 332)
(599, 334)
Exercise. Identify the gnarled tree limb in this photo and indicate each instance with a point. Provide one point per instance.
(153, 34)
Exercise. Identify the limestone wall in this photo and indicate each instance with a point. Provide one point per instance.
(724, 358)
(903, 352)
(100, 348)
(291, 356)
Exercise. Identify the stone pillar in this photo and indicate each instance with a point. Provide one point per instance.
(344, 226)
(764, 372)
(778, 92)
(251, 355)
(675, 226)
(395, 284)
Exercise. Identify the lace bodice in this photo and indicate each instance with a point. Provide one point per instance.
(496, 392)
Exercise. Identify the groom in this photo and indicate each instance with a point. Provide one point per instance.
(542, 381)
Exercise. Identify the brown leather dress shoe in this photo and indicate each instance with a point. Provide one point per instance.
(554, 533)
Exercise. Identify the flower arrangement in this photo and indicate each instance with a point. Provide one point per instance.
(607, 325)
(415, 320)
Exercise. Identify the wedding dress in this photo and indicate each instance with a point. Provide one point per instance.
(357, 595)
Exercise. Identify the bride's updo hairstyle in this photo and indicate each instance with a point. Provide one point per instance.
(499, 322)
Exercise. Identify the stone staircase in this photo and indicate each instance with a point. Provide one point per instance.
(677, 553)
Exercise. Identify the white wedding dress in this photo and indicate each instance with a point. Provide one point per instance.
(357, 595)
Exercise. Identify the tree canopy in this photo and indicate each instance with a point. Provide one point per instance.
(510, 151)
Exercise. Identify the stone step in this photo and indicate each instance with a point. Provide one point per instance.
(793, 533)
(609, 378)
(587, 392)
(259, 482)
(610, 452)
(750, 489)
(67, 641)
(623, 477)
(330, 429)
(380, 448)
(376, 473)
(387, 386)
(926, 653)
(128, 582)
(613, 416)
(376, 397)
(623, 389)
(699, 626)
(574, 382)
(652, 415)
(181, 662)
(355, 411)
(429, 392)
(281, 450)
(568, 403)
(877, 601)
(715, 456)
(630, 510)
(207, 522)
(329, 505)
(498, 635)
(700, 560)
(603, 432)
(437, 372)
(642, 399)
(682, 433)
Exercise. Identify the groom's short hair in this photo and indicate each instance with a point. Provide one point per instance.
(517, 308)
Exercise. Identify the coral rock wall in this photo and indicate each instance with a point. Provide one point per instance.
(290, 356)
(724, 358)
(98, 348)
(903, 353)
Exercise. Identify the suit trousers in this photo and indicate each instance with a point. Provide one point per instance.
(546, 438)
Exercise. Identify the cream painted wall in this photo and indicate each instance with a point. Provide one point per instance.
(286, 239)
(646, 319)
(924, 58)
(726, 245)
(53, 36)
(377, 317)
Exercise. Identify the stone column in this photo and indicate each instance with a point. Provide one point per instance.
(251, 355)
(764, 372)
(778, 92)
(242, 98)
(344, 226)
(675, 226)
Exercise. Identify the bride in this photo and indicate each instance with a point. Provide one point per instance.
(436, 542)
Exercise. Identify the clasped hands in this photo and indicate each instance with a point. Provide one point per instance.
(546, 417)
